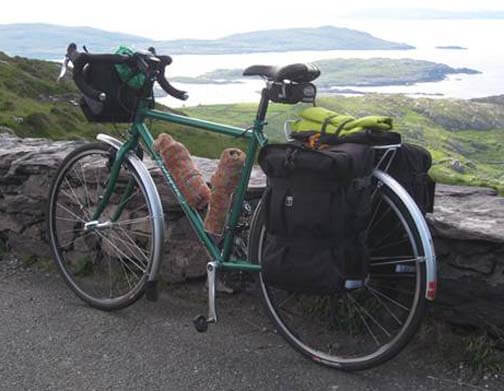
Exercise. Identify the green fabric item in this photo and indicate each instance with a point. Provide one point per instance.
(375, 122)
(313, 118)
(126, 74)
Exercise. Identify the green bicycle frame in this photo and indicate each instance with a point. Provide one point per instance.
(139, 131)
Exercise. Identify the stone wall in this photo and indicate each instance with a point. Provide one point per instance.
(27, 167)
(468, 231)
(467, 226)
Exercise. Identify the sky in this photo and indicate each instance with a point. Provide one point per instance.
(209, 19)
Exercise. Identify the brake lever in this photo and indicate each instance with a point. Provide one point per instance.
(64, 67)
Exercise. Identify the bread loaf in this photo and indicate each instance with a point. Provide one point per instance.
(224, 183)
(186, 175)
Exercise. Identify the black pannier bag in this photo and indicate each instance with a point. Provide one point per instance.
(410, 168)
(317, 207)
(121, 100)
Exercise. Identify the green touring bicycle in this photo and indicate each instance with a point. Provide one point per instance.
(106, 223)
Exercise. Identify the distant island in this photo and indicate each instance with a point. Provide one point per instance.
(45, 41)
(352, 72)
(451, 47)
(424, 14)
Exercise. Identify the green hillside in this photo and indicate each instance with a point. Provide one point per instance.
(47, 41)
(34, 105)
(466, 138)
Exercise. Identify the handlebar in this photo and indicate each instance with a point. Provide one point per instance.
(145, 62)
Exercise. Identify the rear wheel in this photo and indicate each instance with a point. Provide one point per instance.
(105, 261)
(359, 328)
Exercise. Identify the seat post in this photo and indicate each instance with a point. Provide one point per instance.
(263, 105)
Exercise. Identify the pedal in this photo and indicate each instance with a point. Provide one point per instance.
(151, 291)
(201, 322)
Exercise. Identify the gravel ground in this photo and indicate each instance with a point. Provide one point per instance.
(50, 340)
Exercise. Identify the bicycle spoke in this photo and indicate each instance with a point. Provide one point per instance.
(389, 288)
(390, 234)
(401, 261)
(367, 325)
(71, 220)
(83, 234)
(120, 251)
(72, 213)
(366, 312)
(387, 276)
(389, 298)
(388, 245)
(84, 185)
(133, 248)
(74, 195)
(385, 306)
(377, 223)
(375, 213)
(137, 220)
(140, 233)
(74, 230)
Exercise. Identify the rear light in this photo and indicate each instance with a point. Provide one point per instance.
(432, 290)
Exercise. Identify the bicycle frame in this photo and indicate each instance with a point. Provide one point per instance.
(139, 131)
(221, 256)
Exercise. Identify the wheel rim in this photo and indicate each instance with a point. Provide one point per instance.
(105, 261)
(364, 324)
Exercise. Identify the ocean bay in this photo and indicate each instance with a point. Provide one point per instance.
(478, 36)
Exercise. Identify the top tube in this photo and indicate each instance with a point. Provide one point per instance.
(198, 123)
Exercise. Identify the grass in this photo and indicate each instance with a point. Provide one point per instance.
(477, 151)
(481, 354)
(466, 139)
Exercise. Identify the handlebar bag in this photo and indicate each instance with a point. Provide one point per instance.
(317, 206)
(122, 96)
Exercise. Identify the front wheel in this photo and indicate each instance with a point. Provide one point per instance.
(364, 327)
(105, 261)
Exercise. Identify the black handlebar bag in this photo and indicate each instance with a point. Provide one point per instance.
(317, 207)
(121, 100)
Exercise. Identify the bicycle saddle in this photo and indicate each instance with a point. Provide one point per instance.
(299, 73)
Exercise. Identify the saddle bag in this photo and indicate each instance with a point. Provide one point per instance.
(317, 206)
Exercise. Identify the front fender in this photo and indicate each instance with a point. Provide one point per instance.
(153, 196)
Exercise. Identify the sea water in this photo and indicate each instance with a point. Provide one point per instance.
(481, 38)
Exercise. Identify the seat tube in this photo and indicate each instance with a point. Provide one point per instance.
(263, 105)
(238, 198)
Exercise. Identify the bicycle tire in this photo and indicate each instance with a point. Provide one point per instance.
(124, 247)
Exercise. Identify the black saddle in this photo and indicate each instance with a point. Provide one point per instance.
(298, 73)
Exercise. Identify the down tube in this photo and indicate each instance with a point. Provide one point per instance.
(238, 198)
(192, 215)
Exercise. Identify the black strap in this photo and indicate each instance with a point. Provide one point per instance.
(277, 199)
(300, 241)
(339, 128)
(326, 122)
(306, 184)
